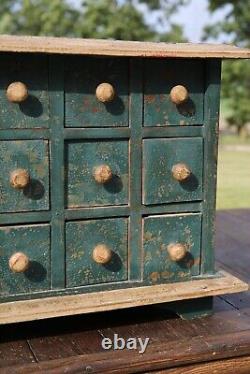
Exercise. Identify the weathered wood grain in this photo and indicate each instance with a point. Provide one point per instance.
(117, 299)
(118, 48)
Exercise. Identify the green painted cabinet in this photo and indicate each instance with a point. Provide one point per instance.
(108, 155)
(34, 241)
(31, 70)
(160, 157)
(162, 232)
(31, 156)
(83, 238)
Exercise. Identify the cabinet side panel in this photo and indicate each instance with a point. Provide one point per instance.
(211, 126)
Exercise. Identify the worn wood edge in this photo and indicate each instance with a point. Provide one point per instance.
(39, 44)
(174, 354)
(226, 366)
(50, 307)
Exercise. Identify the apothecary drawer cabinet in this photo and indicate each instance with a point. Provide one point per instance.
(107, 191)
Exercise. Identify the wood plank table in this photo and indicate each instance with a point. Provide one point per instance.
(220, 343)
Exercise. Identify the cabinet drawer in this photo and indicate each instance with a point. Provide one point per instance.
(161, 76)
(33, 242)
(30, 110)
(86, 109)
(172, 170)
(96, 251)
(24, 182)
(171, 247)
(97, 173)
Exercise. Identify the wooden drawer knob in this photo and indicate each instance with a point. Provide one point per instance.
(19, 178)
(19, 262)
(102, 254)
(17, 92)
(105, 92)
(181, 172)
(102, 174)
(177, 251)
(179, 94)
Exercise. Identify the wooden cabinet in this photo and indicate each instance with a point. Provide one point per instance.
(108, 156)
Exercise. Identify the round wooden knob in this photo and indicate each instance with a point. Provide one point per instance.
(18, 262)
(181, 172)
(177, 251)
(105, 92)
(102, 173)
(17, 92)
(179, 94)
(19, 178)
(102, 254)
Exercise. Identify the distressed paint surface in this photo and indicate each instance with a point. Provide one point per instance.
(159, 156)
(32, 70)
(34, 241)
(81, 187)
(160, 76)
(82, 76)
(81, 239)
(31, 155)
(159, 232)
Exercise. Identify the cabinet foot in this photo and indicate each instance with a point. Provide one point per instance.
(190, 309)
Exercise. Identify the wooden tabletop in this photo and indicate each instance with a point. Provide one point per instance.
(73, 344)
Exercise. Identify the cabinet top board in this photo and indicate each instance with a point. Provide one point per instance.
(38, 44)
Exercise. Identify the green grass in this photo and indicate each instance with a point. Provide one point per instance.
(233, 184)
(232, 139)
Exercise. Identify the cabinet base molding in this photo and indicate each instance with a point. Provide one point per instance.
(55, 306)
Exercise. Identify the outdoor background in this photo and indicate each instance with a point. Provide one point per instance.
(215, 21)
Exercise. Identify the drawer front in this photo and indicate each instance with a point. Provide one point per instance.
(172, 170)
(171, 247)
(24, 182)
(97, 173)
(160, 77)
(96, 251)
(31, 110)
(106, 109)
(33, 242)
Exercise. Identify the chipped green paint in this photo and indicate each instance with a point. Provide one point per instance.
(159, 232)
(82, 157)
(159, 156)
(82, 76)
(31, 155)
(34, 241)
(32, 70)
(161, 75)
(81, 239)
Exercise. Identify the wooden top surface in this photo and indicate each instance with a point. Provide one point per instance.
(39, 44)
(219, 343)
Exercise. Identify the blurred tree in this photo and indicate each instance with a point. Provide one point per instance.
(236, 83)
(118, 19)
